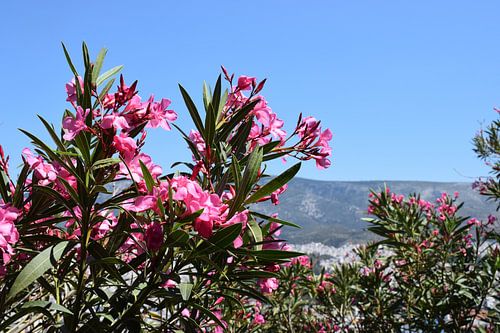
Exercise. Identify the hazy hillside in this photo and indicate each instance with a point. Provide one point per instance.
(330, 212)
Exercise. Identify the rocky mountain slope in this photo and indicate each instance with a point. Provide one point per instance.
(330, 212)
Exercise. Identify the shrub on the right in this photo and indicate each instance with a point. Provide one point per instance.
(432, 270)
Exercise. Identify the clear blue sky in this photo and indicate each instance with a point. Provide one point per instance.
(404, 85)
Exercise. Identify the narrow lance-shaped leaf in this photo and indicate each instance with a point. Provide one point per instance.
(274, 184)
(68, 59)
(217, 95)
(221, 239)
(105, 163)
(254, 228)
(273, 219)
(36, 268)
(192, 111)
(46, 305)
(109, 73)
(207, 96)
(147, 176)
(53, 134)
(98, 64)
(248, 179)
(3, 187)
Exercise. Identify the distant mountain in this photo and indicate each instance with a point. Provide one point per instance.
(330, 212)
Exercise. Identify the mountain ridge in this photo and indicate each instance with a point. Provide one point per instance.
(330, 211)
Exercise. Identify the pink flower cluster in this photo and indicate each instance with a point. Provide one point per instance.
(267, 126)
(315, 142)
(122, 111)
(8, 234)
(107, 221)
(214, 213)
(47, 173)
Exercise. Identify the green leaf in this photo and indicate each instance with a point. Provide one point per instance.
(46, 305)
(185, 289)
(68, 59)
(221, 239)
(275, 254)
(147, 176)
(21, 313)
(222, 103)
(177, 238)
(209, 125)
(104, 91)
(36, 268)
(86, 56)
(225, 237)
(109, 73)
(18, 198)
(236, 119)
(192, 111)
(248, 180)
(274, 184)
(3, 187)
(273, 219)
(105, 163)
(217, 96)
(236, 171)
(209, 314)
(105, 261)
(87, 91)
(254, 228)
(98, 64)
(247, 275)
(207, 97)
(53, 134)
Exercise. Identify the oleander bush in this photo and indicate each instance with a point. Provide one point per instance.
(95, 237)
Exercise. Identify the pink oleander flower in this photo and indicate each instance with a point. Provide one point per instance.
(474, 221)
(135, 168)
(101, 229)
(274, 196)
(8, 232)
(275, 228)
(71, 89)
(198, 141)
(302, 261)
(259, 319)
(141, 203)
(114, 121)
(154, 236)
(309, 131)
(74, 125)
(268, 285)
(269, 124)
(125, 93)
(130, 247)
(246, 82)
(159, 114)
(218, 328)
(235, 100)
(44, 172)
(171, 284)
(125, 145)
(322, 161)
(135, 112)
(214, 212)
